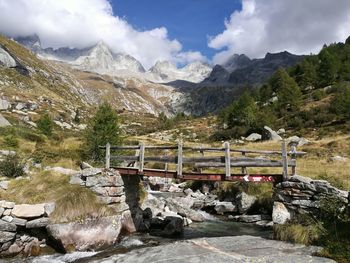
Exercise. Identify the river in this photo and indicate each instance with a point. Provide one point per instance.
(213, 227)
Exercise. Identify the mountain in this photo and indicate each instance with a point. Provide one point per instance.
(165, 71)
(240, 71)
(236, 62)
(101, 60)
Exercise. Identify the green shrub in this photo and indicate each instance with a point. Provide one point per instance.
(11, 141)
(298, 233)
(45, 124)
(11, 167)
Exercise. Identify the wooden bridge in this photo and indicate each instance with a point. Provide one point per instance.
(192, 164)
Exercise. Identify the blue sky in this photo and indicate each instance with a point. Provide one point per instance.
(189, 21)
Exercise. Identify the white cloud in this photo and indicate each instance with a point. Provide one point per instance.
(298, 26)
(82, 23)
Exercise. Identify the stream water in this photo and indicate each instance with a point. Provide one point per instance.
(214, 227)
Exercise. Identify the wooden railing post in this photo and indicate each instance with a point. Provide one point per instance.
(142, 157)
(294, 160)
(108, 155)
(179, 159)
(244, 169)
(227, 160)
(284, 160)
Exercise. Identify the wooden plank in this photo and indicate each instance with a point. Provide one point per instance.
(179, 159)
(227, 159)
(108, 155)
(242, 164)
(293, 158)
(142, 157)
(284, 160)
(149, 147)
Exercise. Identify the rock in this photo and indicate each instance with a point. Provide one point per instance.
(7, 153)
(85, 165)
(6, 59)
(4, 122)
(253, 137)
(6, 226)
(296, 141)
(28, 211)
(7, 218)
(111, 200)
(174, 226)
(188, 191)
(269, 134)
(174, 189)
(49, 208)
(4, 185)
(234, 249)
(249, 218)
(7, 212)
(8, 205)
(14, 249)
(90, 172)
(37, 223)
(76, 179)
(6, 236)
(264, 223)
(4, 104)
(88, 235)
(2, 210)
(224, 207)
(104, 181)
(178, 207)
(244, 202)
(280, 214)
(19, 221)
(338, 158)
(281, 131)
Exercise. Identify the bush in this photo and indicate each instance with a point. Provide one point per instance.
(11, 167)
(11, 140)
(45, 124)
(298, 233)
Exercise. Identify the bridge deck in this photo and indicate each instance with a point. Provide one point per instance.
(274, 178)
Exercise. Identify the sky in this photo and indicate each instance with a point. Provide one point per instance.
(181, 31)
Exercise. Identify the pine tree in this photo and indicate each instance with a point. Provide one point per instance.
(288, 91)
(306, 74)
(45, 124)
(103, 128)
(242, 112)
(328, 68)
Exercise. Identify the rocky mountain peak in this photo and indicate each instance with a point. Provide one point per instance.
(236, 61)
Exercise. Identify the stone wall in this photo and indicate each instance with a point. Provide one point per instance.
(302, 195)
(16, 224)
(108, 185)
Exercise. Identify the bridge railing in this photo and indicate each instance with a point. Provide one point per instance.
(226, 161)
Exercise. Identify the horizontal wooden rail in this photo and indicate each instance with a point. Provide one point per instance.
(203, 149)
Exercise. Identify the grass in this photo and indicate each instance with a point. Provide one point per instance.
(297, 233)
(72, 201)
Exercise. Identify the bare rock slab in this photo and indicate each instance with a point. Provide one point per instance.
(28, 211)
(91, 234)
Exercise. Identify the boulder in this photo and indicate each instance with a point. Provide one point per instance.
(49, 208)
(104, 180)
(244, 202)
(6, 59)
(269, 134)
(2, 210)
(253, 137)
(173, 226)
(281, 131)
(297, 141)
(76, 179)
(4, 104)
(4, 185)
(224, 207)
(180, 208)
(28, 211)
(90, 234)
(4, 122)
(280, 214)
